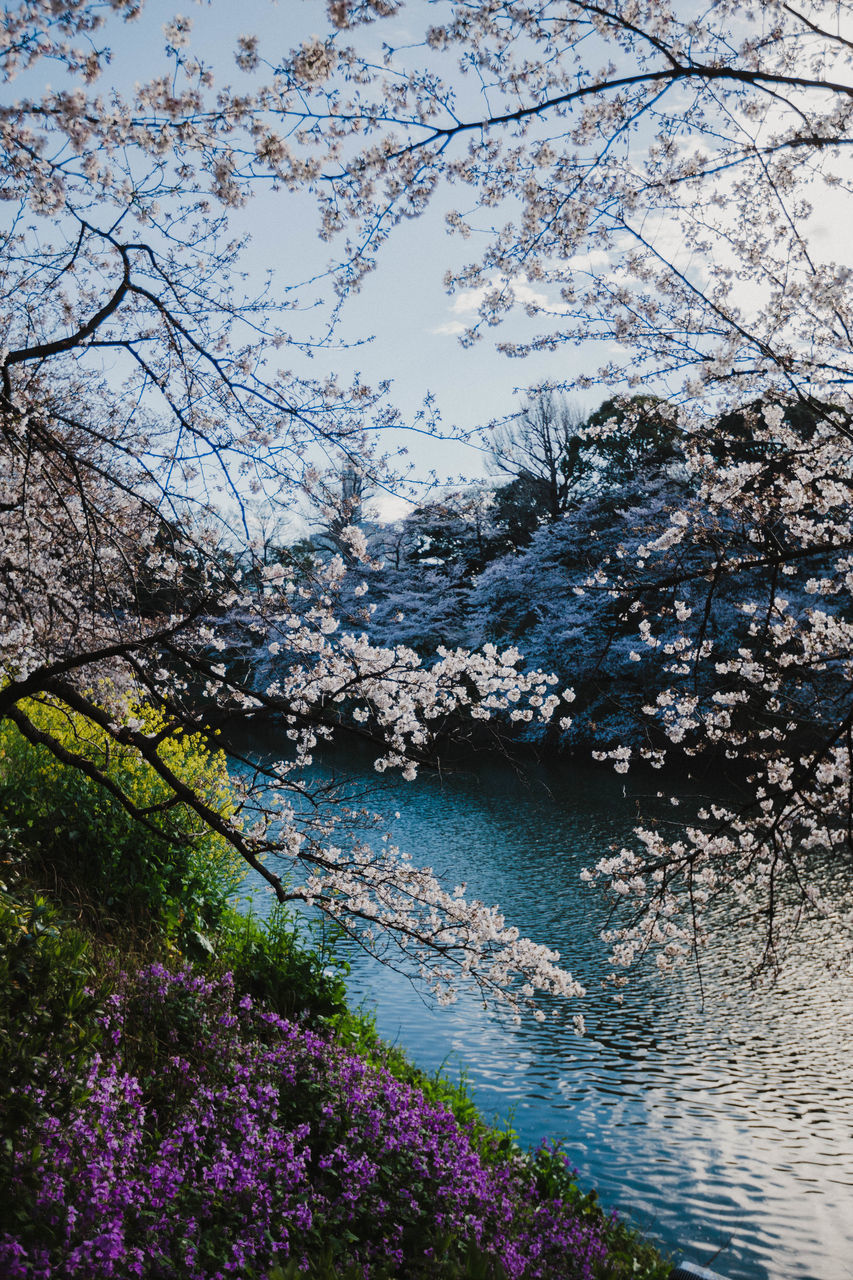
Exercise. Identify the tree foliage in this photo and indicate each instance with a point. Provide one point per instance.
(541, 449)
(558, 458)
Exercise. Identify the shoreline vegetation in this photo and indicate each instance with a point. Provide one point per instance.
(187, 1093)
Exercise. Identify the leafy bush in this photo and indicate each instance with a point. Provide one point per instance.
(175, 878)
(50, 994)
(281, 964)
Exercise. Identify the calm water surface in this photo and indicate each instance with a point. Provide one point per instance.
(723, 1126)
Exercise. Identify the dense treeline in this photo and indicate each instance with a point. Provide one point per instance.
(552, 557)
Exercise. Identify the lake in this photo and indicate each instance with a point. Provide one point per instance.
(719, 1118)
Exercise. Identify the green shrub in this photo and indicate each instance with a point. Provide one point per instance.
(175, 879)
(50, 996)
(292, 970)
(174, 885)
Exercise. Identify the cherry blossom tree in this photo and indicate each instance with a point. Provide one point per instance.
(638, 174)
(148, 405)
(667, 182)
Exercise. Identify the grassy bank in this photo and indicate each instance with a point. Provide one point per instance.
(185, 1093)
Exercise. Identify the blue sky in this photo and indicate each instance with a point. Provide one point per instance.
(410, 324)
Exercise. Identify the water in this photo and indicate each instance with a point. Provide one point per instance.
(723, 1125)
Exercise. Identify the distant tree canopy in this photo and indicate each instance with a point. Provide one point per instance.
(499, 569)
(455, 530)
(625, 434)
(558, 458)
(541, 450)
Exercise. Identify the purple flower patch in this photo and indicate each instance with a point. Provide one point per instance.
(219, 1140)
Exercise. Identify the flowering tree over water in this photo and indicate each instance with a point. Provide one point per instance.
(144, 409)
(664, 180)
(651, 174)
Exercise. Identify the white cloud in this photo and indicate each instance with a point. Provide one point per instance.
(595, 263)
(466, 304)
(388, 507)
(453, 327)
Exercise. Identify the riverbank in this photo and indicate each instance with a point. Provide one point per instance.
(187, 1093)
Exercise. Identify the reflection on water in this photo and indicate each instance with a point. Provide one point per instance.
(725, 1127)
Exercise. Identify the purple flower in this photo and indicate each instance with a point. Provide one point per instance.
(218, 1138)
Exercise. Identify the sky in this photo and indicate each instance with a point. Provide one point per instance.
(406, 326)
(402, 326)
